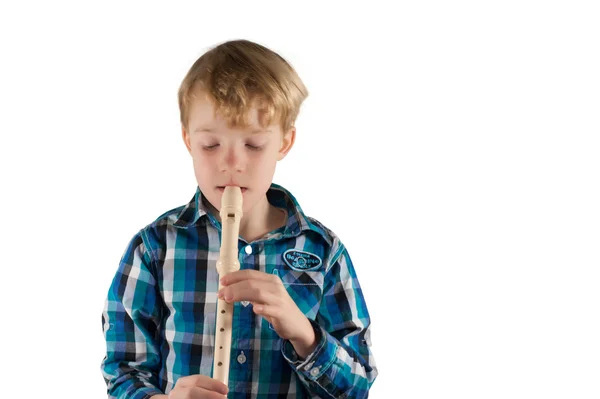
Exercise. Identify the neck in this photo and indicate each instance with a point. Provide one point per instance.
(260, 220)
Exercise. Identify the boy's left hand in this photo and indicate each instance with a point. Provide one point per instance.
(271, 300)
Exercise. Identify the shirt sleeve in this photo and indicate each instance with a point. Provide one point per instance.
(130, 323)
(342, 364)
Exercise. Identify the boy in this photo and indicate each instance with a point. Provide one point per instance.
(301, 325)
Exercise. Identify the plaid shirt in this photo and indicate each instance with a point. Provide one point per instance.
(160, 312)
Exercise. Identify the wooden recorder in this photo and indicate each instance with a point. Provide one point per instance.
(231, 214)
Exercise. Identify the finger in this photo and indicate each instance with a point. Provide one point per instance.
(203, 393)
(211, 384)
(253, 291)
(195, 393)
(186, 381)
(246, 274)
(266, 310)
(199, 380)
(261, 309)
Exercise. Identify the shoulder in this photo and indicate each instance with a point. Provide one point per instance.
(154, 234)
(167, 218)
(331, 239)
(163, 221)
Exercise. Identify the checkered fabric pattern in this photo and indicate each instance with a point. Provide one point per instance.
(160, 312)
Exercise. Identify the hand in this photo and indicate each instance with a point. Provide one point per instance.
(197, 387)
(271, 300)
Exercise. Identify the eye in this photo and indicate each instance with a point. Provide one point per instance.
(210, 147)
(254, 147)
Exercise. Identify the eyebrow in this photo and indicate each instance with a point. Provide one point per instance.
(212, 130)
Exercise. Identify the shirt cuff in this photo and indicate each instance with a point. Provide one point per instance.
(317, 362)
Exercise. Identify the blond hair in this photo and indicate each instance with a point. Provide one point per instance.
(239, 74)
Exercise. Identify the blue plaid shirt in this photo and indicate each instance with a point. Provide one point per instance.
(160, 312)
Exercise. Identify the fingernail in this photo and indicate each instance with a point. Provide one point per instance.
(223, 280)
(220, 294)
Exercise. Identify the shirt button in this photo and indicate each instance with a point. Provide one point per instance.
(314, 371)
(248, 249)
(241, 358)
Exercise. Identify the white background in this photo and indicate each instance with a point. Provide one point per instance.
(453, 146)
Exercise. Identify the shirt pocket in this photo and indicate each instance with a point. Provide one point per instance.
(304, 287)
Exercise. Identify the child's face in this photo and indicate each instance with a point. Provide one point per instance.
(242, 157)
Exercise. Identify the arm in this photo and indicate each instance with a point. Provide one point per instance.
(130, 323)
(341, 364)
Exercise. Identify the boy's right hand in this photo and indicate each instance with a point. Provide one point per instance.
(197, 387)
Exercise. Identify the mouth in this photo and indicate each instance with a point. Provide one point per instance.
(222, 189)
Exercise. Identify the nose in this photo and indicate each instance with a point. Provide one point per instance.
(233, 160)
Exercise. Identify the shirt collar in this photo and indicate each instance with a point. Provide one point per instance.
(297, 221)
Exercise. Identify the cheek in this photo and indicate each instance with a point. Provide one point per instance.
(203, 167)
(202, 158)
(265, 169)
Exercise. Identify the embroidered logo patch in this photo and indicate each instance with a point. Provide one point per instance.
(301, 261)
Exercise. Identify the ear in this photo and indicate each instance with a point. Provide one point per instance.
(186, 139)
(287, 143)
